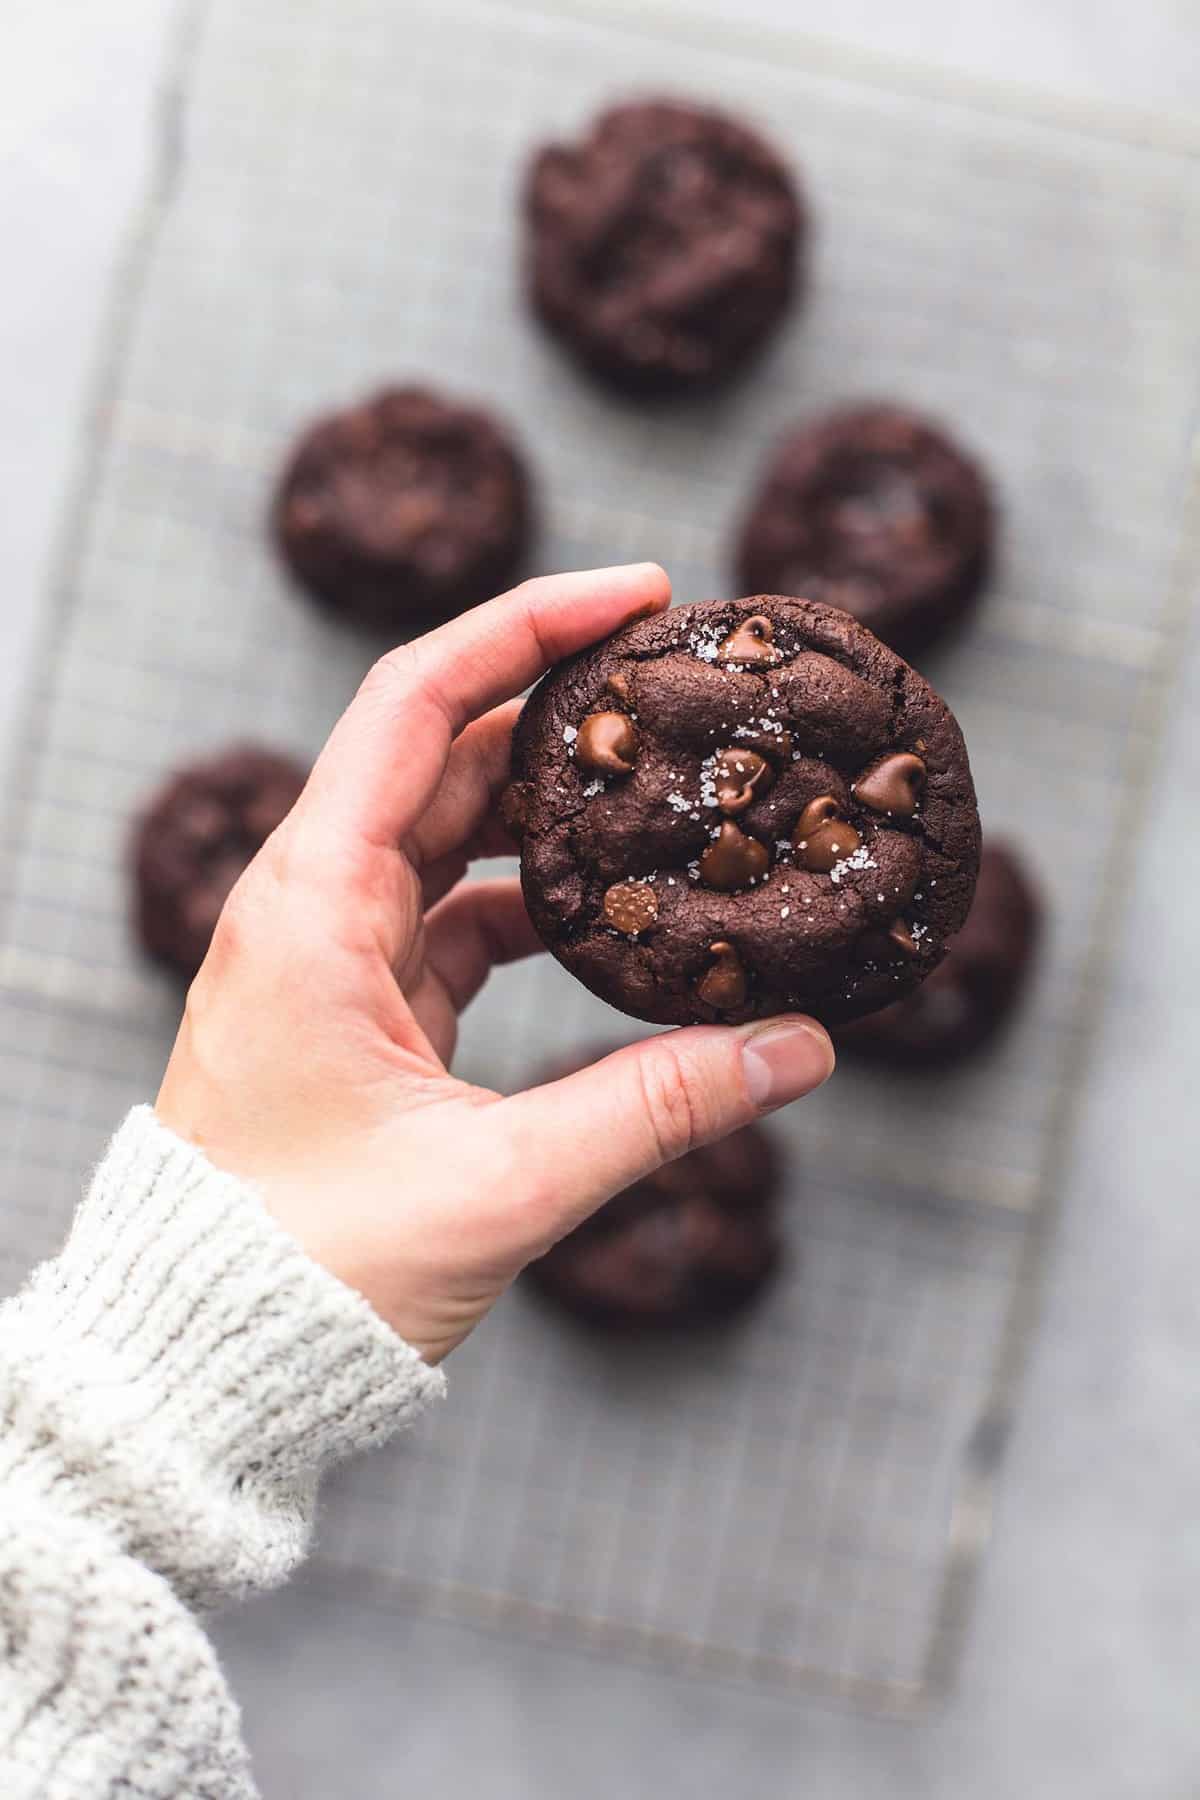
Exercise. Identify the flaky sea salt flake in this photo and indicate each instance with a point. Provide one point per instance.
(858, 859)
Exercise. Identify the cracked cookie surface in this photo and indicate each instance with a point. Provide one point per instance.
(662, 246)
(879, 511)
(740, 808)
(194, 840)
(404, 509)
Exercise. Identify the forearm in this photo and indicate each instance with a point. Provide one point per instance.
(171, 1387)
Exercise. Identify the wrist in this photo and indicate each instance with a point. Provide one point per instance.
(192, 1367)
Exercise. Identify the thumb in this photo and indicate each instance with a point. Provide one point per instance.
(597, 1131)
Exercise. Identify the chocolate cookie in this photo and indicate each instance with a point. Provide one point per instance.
(403, 510)
(876, 511)
(195, 838)
(969, 996)
(741, 808)
(689, 1244)
(663, 246)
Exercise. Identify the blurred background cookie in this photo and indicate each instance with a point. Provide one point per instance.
(404, 509)
(662, 247)
(194, 839)
(876, 510)
(971, 994)
(689, 1244)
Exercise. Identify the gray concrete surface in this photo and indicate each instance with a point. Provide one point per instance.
(1080, 1676)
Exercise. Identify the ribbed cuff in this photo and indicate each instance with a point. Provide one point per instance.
(186, 1372)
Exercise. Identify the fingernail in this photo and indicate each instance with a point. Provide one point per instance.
(784, 1060)
(643, 572)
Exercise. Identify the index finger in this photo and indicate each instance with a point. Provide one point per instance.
(386, 754)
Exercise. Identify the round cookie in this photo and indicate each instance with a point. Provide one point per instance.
(194, 840)
(875, 510)
(404, 509)
(687, 1245)
(971, 994)
(662, 248)
(740, 808)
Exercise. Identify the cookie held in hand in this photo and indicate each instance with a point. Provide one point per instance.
(689, 1244)
(970, 996)
(876, 510)
(787, 822)
(403, 510)
(662, 247)
(197, 835)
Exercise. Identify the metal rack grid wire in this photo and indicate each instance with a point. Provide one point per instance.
(777, 1501)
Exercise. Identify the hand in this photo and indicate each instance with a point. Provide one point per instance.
(312, 1057)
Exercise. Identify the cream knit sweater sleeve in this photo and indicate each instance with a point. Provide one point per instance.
(171, 1387)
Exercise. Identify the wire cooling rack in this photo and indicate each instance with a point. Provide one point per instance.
(801, 1498)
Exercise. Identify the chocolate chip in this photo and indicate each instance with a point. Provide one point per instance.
(893, 785)
(607, 742)
(620, 687)
(751, 643)
(741, 777)
(723, 986)
(822, 838)
(766, 742)
(890, 944)
(630, 907)
(733, 860)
